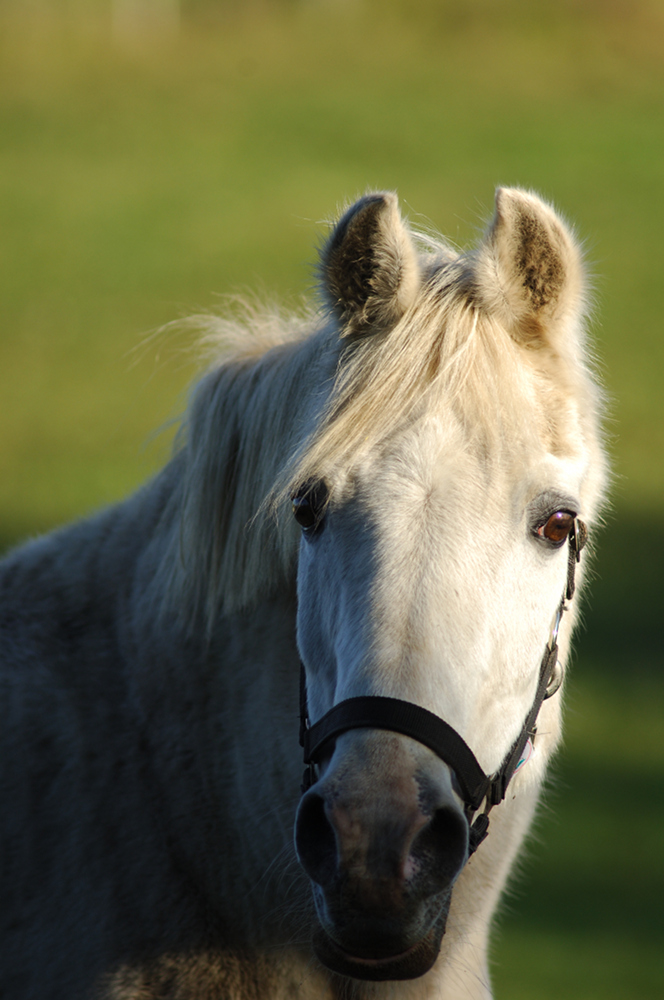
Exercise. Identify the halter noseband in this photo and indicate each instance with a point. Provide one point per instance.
(373, 712)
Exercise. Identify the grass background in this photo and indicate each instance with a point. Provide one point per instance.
(148, 168)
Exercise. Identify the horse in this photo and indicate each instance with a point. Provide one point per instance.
(367, 537)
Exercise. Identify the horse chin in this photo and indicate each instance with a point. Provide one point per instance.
(409, 964)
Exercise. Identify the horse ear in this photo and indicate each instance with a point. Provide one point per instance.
(529, 271)
(368, 267)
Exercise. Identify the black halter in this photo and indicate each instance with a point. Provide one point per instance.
(403, 717)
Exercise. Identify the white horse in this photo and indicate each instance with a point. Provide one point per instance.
(393, 493)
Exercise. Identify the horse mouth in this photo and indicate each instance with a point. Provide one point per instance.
(409, 964)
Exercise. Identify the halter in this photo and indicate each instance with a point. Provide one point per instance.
(374, 712)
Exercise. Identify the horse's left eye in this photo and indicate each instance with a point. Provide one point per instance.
(557, 528)
(309, 506)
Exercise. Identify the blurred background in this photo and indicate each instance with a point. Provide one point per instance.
(158, 155)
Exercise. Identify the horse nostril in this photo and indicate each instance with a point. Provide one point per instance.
(315, 841)
(441, 847)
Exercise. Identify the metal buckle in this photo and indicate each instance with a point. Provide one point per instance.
(555, 626)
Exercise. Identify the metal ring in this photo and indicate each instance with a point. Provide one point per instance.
(555, 680)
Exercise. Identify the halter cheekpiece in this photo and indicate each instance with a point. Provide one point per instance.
(411, 720)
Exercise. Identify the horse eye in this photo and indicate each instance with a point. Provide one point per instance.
(558, 527)
(304, 513)
(309, 505)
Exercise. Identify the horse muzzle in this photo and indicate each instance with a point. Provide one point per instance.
(383, 837)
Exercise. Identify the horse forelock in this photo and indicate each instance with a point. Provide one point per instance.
(448, 355)
(294, 400)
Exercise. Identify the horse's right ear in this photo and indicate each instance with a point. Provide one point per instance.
(368, 267)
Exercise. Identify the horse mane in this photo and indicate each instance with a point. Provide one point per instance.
(222, 550)
(246, 442)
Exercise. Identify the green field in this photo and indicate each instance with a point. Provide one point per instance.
(144, 177)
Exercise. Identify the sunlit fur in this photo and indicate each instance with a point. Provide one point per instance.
(151, 748)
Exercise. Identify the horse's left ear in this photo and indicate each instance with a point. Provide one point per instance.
(368, 267)
(528, 269)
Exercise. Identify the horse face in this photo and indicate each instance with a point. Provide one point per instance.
(427, 583)
(432, 576)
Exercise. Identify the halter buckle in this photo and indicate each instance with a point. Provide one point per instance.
(555, 626)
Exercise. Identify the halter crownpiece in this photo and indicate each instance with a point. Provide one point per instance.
(375, 712)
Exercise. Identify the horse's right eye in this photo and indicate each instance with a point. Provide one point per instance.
(309, 506)
(304, 513)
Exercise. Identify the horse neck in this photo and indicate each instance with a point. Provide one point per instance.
(218, 712)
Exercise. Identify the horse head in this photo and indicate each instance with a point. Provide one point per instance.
(436, 492)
